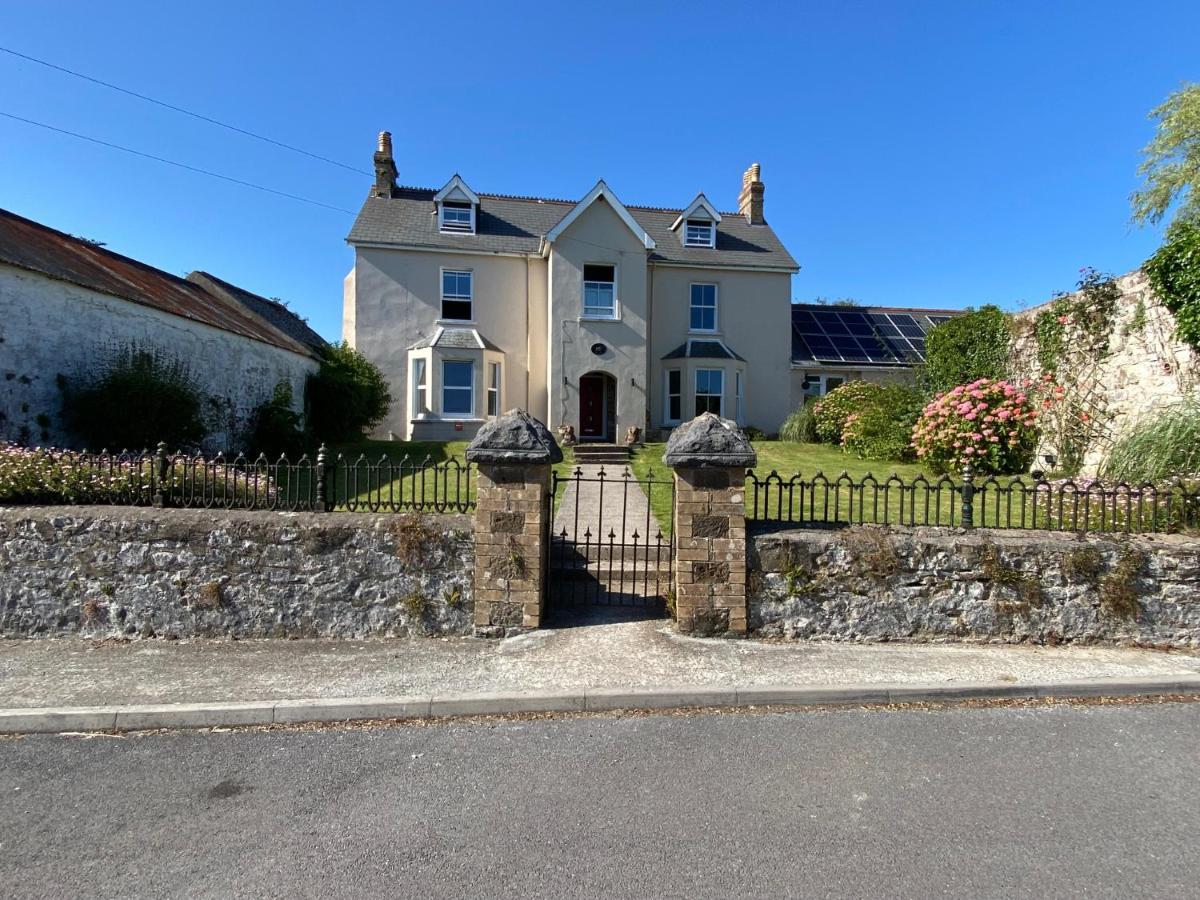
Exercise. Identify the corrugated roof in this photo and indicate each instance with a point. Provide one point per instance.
(35, 247)
(507, 224)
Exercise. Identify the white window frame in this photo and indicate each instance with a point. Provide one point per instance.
(444, 228)
(494, 389)
(470, 389)
(696, 395)
(822, 383)
(716, 305)
(739, 399)
(668, 419)
(470, 298)
(616, 303)
(420, 388)
(710, 238)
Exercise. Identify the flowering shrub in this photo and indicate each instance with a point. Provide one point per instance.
(39, 475)
(868, 419)
(990, 424)
(832, 410)
(883, 430)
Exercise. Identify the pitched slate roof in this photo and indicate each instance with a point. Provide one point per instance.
(455, 338)
(34, 247)
(862, 336)
(700, 349)
(517, 225)
(272, 310)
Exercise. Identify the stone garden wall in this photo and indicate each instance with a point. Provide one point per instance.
(924, 584)
(108, 572)
(1146, 367)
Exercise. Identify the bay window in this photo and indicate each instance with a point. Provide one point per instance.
(420, 389)
(458, 389)
(710, 387)
(493, 390)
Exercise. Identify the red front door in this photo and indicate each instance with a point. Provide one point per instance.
(591, 406)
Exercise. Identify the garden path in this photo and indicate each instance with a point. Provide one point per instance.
(617, 506)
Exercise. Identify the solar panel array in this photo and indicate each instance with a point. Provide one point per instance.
(861, 337)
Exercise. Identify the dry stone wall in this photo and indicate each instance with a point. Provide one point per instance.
(105, 572)
(934, 584)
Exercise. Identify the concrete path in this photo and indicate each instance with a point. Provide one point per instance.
(610, 654)
(624, 501)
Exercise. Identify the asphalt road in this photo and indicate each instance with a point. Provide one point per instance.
(1095, 801)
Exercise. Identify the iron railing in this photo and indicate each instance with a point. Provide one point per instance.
(318, 483)
(610, 552)
(1060, 505)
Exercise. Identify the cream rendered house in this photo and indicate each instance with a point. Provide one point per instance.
(588, 313)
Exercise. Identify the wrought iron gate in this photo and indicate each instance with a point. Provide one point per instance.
(606, 545)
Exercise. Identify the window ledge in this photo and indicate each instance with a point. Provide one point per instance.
(599, 318)
(705, 333)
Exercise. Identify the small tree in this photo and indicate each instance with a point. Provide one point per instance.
(1172, 164)
(1174, 271)
(347, 396)
(142, 398)
(275, 425)
(966, 348)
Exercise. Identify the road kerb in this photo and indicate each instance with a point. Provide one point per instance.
(499, 704)
(193, 715)
(348, 709)
(603, 699)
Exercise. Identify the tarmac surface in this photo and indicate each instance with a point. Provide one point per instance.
(1021, 801)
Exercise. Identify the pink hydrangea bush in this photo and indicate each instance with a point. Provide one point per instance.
(990, 424)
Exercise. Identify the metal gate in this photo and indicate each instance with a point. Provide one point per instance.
(606, 545)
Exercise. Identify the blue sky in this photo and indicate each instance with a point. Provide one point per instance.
(933, 154)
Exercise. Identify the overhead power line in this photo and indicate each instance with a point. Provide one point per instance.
(186, 112)
(171, 162)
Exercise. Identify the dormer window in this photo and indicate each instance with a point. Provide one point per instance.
(699, 233)
(457, 217)
(697, 225)
(456, 206)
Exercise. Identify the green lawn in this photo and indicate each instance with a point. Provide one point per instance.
(808, 460)
(409, 473)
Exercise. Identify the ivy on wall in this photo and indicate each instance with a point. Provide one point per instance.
(1174, 273)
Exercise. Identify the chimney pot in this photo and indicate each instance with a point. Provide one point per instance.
(385, 166)
(750, 200)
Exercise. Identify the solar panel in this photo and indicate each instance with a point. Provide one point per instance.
(861, 337)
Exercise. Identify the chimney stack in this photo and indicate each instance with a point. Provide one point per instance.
(750, 200)
(385, 166)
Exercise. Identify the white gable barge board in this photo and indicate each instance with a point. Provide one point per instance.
(601, 190)
(51, 327)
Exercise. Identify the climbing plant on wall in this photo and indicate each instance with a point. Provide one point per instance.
(1073, 335)
(1079, 322)
(1174, 273)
